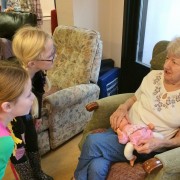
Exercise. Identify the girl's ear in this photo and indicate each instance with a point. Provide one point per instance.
(31, 64)
(6, 107)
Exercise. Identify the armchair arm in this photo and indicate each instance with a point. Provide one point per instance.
(152, 164)
(104, 108)
(72, 95)
(169, 161)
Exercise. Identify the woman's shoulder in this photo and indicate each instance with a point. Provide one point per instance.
(155, 74)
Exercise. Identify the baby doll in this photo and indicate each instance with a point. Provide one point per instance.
(131, 134)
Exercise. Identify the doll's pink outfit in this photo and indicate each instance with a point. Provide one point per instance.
(131, 134)
(134, 133)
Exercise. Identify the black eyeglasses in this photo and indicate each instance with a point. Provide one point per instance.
(48, 60)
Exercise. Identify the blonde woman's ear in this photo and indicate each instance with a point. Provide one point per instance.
(31, 64)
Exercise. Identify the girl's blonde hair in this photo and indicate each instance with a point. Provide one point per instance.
(28, 43)
(13, 79)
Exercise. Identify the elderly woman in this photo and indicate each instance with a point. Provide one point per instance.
(156, 101)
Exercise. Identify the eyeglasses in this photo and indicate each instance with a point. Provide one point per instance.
(48, 60)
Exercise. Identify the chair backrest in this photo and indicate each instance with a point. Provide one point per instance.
(11, 21)
(78, 60)
(159, 55)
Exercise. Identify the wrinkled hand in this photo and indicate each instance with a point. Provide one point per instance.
(37, 123)
(148, 146)
(117, 116)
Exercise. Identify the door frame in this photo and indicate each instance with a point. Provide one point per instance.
(132, 72)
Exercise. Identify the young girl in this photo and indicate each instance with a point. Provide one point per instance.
(16, 99)
(35, 51)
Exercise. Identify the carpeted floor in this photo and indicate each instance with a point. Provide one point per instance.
(60, 163)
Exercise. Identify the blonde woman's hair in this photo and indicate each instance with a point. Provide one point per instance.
(13, 79)
(173, 47)
(28, 43)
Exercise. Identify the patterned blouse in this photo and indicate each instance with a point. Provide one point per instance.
(156, 105)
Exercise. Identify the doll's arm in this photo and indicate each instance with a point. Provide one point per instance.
(151, 126)
(122, 136)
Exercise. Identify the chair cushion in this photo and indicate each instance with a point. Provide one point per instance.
(157, 61)
(123, 171)
(76, 50)
(159, 55)
(11, 21)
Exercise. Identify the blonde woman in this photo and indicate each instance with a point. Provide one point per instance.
(16, 99)
(35, 51)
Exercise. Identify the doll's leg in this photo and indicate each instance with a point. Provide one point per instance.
(128, 153)
(158, 135)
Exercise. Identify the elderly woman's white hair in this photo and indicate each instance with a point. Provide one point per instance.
(173, 48)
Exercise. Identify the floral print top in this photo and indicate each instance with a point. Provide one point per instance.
(156, 105)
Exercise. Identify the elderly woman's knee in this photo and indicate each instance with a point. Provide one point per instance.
(99, 167)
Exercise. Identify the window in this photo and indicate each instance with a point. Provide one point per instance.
(158, 21)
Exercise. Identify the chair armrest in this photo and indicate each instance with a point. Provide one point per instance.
(69, 96)
(152, 164)
(169, 161)
(101, 115)
(92, 106)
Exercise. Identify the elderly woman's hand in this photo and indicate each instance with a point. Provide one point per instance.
(148, 146)
(117, 116)
(121, 112)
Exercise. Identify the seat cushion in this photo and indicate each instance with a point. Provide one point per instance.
(123, 171)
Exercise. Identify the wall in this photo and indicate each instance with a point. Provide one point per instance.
(47, 6)
(105, 16)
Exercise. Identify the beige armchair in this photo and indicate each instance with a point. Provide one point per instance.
(163, 166)
(74, 84)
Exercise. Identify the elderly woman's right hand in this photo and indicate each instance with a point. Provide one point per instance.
(117, 116)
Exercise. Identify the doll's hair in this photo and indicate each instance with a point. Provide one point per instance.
(173, 47)
(13, 79)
